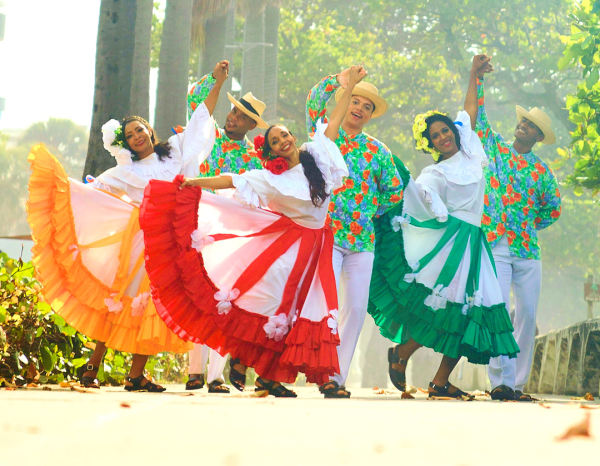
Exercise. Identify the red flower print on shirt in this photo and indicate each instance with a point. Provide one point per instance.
(535, 176)
(540, 168)
(368, 156)
(349, 183)
(365, 174)
(364, 187)
(356, 215)
(486, 220)
(491, 236)
(358, 198)
(355, 228)
(555, 214)
(494, 183)
(500, 229)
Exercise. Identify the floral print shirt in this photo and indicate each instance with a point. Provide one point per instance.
(373, 185)
(521, 195)
(227, 156)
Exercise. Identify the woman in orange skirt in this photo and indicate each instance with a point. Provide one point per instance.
(89, 250)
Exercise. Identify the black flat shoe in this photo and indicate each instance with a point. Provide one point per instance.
(398, 378)
(136, 385)
(502, 393)
(334, 390)
(216, 386)
(89, 381)
(443, 392)
(195, 383)
(278, 392)
(237, 379)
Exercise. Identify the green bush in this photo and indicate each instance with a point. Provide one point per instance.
(37, 345)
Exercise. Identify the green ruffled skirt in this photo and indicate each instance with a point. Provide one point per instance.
(450, 321)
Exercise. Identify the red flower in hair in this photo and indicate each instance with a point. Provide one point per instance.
(277, 166)
(259, 142)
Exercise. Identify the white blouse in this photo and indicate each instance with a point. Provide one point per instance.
(456, 186)
(289, 192)
(188, 149)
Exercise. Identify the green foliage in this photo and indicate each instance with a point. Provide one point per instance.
(582, 52)
(35, 343)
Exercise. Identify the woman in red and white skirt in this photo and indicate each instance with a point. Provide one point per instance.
(254, 282)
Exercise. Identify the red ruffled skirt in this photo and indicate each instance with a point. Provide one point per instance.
(244, 281)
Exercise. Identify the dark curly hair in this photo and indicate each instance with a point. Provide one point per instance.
(444, 119)
(162, 149)
(316, 182)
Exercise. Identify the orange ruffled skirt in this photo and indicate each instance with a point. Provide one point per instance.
(88, 256)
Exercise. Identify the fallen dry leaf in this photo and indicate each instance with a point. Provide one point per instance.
(422, 390)
(187, 394)
(32, 385)
(46, 387)
(125, 405)
(380, 391)
(69, 384)
(261, 394)
(581, 429)
(375, 388)
(589, 397)
(407, 396)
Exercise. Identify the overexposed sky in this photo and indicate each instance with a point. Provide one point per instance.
(47, 60)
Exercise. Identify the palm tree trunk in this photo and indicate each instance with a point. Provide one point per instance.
(173, 67)
(219, 32)
(271, 37)
(114, 61)
(253, 64)
(140, 78)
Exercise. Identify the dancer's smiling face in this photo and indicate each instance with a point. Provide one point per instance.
(139, 138)
(282, 142)
(359, 112)
(528, 133)
(443, 139)
(237, 124)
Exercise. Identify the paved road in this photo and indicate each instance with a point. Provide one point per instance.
(62, 427)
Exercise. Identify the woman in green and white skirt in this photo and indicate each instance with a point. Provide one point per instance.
(434, 280)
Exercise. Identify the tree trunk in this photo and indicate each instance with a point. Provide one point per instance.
(140, 78)
(173, 67)
(271, 37)
(114, 61)
(253, 64)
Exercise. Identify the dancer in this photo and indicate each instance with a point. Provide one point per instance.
(434, 282)
(373, 186)
(522, 198)
(231, 153)
(88, 249)
(263, 287)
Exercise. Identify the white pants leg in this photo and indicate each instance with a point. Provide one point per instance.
(198, 359)
(216, 364)
(356, 268)
(525, 276)
(527, 285)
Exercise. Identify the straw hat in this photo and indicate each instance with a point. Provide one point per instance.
(541, 120)
(370, 92)
(252, 107)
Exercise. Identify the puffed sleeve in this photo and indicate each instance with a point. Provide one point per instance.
(328, 158)
(252, 189)
(195, 144)
(427, 195)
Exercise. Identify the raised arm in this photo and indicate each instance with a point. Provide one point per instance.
(200, 90)
(220, 73)
(316, 102)
(356, 75)
(481, 64)
(210, 182)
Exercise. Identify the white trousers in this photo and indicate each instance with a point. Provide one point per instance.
(353, 277)
(198, 359)
(525, 276)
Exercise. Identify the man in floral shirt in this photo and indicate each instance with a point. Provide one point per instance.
(521, 198)
(372, 188)
(232, 153)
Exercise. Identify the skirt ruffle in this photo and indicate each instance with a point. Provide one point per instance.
(70, 287)
(397, 301)
(184, 292)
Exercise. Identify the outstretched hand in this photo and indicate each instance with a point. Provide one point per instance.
(221, 71)
(356, 75)
(481, 65)
(343, 78)
(189, 182)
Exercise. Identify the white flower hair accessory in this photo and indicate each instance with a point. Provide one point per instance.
(112, 137)
(277, 327)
